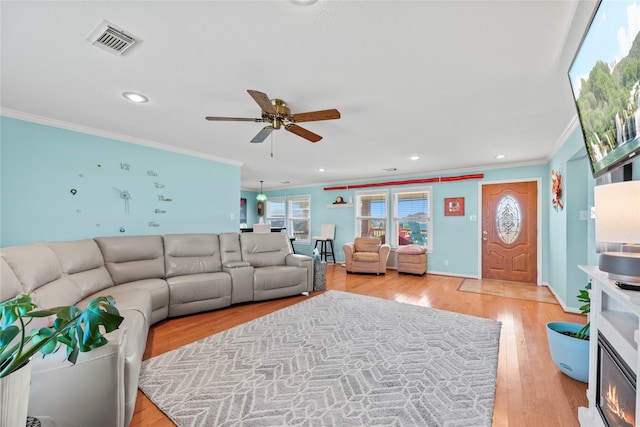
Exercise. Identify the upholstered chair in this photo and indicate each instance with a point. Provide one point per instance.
(366, 255)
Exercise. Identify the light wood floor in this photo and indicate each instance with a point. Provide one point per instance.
(508, 289)
(530, 390)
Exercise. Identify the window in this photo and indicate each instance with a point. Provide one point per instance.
(412, 217)
(371, 214)
(276, 211)
(508, 219)
(300, 218)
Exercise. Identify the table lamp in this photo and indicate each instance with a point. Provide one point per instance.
(617, 211)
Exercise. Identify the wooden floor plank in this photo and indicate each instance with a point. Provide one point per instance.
(530, 390)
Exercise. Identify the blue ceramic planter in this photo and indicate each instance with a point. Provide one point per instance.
(571, 355)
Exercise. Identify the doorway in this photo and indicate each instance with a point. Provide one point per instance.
(509, 231)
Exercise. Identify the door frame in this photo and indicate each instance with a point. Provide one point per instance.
(538, 181)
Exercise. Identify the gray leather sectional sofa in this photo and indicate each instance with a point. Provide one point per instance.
(151, 278)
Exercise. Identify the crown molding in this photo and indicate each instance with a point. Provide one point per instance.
(20, 115)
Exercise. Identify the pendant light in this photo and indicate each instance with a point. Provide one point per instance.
(261, 197)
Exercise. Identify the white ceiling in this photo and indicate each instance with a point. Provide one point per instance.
(456, 82)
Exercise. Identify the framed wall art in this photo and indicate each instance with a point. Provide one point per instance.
(454, 206)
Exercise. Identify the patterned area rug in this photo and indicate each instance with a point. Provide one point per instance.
(336, 359)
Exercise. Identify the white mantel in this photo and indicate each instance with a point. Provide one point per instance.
(615, 313)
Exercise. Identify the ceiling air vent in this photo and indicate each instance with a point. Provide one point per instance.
(111, 38)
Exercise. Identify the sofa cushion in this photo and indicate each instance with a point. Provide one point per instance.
(191, 254)
(82, 261)
(199, 292)
(277, 276)
(77, 255)
(196, 287)
(264, 249)
(131, 258)
(157, 292)
(230, 248)
(366, 244)
(33, 264)
(366, 256)
(411, 250)
(38, 270)
(10, 286)
(129, 298)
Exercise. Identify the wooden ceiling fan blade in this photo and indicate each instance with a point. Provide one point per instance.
(263, 134)
(263, 101)
(232, 119)
(314, 116)
(306, 134)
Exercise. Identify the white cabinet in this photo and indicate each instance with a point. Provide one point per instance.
(615, 313)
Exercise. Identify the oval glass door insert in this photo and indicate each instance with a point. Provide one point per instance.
(508, 219)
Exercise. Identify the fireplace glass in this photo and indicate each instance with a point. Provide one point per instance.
(616, 398)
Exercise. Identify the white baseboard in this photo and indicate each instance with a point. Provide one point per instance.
(561, 302)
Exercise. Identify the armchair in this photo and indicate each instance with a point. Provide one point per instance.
(366, 255)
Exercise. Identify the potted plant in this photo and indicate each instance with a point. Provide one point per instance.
(78, 330)
(569, 342)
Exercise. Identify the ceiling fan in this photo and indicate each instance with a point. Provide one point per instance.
(276, 112)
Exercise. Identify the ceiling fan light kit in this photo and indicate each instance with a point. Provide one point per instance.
(278, 114)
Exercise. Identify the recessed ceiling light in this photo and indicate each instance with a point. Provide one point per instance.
(414, 157)
(135, 97)
(500, 156)
(321, 170)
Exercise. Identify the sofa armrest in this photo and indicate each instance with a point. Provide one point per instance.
(97, 380)
(384, 255)
(241, 280)
(234, 264)
(348, 249)
(298, 260)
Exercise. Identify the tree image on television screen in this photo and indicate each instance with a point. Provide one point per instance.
(608, 104)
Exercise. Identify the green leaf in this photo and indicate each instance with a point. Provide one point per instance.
(45, 335)
(12, 309)
(74, 328)
(8, 334)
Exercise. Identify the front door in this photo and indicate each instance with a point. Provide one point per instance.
(509, 231)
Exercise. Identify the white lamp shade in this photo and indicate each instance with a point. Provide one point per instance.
(617, 211)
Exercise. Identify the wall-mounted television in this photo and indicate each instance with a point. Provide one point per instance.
(605, 79)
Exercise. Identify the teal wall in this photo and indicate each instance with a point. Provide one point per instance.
(41, 165)
(564, 223)
(567, 234)
(252, 208)
(455, 237)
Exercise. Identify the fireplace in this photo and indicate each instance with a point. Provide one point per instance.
(616, 389)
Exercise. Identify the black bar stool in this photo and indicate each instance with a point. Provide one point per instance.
(327, 234)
